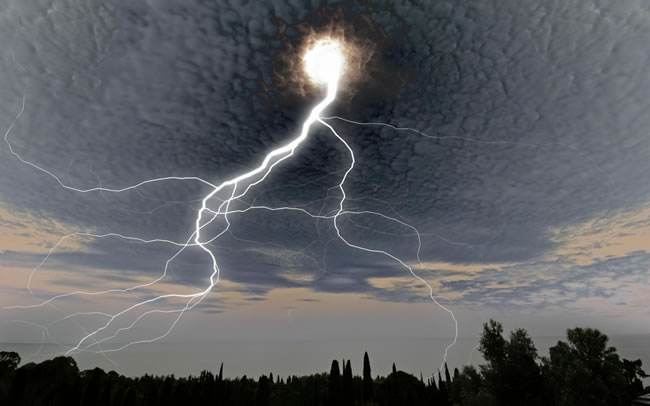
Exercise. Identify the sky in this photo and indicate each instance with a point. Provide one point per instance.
(526, 178)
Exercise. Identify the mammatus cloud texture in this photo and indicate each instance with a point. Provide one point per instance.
(534, 194)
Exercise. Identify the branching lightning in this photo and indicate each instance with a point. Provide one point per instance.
(324, 64)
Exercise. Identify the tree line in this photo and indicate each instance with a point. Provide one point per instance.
(584, 370)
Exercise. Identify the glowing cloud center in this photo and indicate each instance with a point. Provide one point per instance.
(324, 62)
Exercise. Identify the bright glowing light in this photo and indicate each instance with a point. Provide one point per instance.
(324, 62)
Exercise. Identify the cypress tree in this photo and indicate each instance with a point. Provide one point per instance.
(347, 373)
(394, 369)
(347, 386)
(335, 384)
(447, 376)
(434, 387)
(334, 370)
(433, 390)
(442, 390)
(454, 390)
(367, 379)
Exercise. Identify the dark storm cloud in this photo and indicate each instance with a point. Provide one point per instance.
(121, 92)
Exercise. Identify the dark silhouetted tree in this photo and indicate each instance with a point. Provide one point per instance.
(52, 382)
(512, 374)
(473, 391)
(443, 394)
(347, 390)
(263, 397)
(492, 344)
(447, 376)
(633, 372)
(400, 388)
(9, 360)
(585, 371)
(334, 387)
(367, 379)
(454, 388)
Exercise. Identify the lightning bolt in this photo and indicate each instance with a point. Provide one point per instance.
(234, 189)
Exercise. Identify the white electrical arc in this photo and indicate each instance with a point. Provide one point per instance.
(327, 72)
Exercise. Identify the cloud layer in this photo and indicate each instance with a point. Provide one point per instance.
(541, 110)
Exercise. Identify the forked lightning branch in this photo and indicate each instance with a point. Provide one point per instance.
(324, 63)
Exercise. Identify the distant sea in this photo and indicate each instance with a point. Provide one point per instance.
(256, 357)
